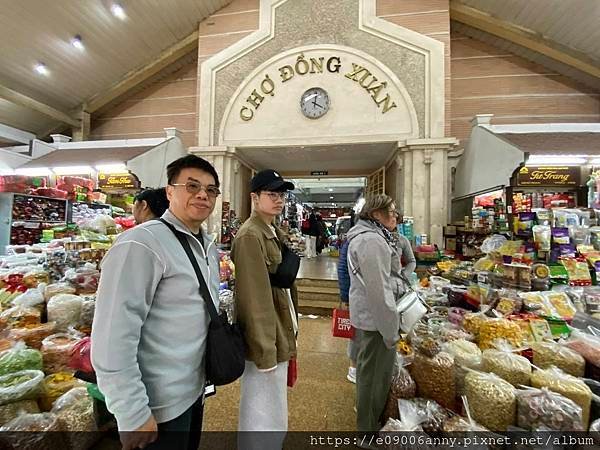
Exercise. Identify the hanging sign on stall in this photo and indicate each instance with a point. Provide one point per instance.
(316, 173)
(118, 181)
(549, 176)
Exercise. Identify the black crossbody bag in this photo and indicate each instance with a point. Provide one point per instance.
(287, 269)
(225, 351)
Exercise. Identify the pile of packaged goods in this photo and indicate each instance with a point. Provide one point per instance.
(47, 305)
(500, 356)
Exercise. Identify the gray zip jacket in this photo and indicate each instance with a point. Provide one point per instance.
(375, 281)
(150, 326)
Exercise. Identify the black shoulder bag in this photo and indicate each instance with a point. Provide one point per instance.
(225, 351)
(287, 270)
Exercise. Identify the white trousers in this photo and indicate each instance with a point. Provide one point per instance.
(263, 407)
(311, 246)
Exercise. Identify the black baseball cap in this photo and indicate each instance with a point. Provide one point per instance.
(270, 180)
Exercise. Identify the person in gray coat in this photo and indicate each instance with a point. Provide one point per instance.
(376, 283)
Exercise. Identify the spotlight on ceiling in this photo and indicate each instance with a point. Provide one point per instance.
(41, 68)
(118, 11)
(77, 43)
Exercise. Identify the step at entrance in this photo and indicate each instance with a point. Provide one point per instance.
(317, 297)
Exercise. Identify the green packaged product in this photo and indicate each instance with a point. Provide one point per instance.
(20, 358)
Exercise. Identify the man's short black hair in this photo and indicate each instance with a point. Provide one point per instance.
(193, 162)
(156, 199)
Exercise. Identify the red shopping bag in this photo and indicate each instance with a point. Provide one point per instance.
(341, 326)
(292, 375)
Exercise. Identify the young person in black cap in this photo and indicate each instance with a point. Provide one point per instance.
(267, 315)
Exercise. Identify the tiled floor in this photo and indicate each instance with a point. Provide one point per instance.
(322, 399)
(323, 267)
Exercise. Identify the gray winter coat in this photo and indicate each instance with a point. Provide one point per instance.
(375, 282)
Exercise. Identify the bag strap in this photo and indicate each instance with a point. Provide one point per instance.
(204, 291)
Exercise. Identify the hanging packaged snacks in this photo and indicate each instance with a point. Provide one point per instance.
(56, 351)
(504, 362)
(492, 400)
(493, 329)
(568, 386)
(549, 353)
(466, 355)
(539, 408)
(20, 358)
(22, 385)
(435, 378)
(33, 335)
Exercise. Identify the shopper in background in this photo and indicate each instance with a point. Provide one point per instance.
(322, 238)
(150, 204)
(376, 283)
(266, 314)
(313, 233)
(150, 328)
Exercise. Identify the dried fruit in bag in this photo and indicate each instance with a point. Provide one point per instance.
(504, 362)
(33, 335)
(434, 416)
(65, 311)
(466, 356)
(543, 408)
(549, 353)
(493, 329)
(33, 432)
(76, 416)
(435, 378)
(56, 385)
(586, 345)
(56, 351)
(22, 385)
(11, 411)
(402, 387)
(492, 400)
(19, 317)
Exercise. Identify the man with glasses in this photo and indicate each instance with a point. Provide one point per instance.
(149, 333)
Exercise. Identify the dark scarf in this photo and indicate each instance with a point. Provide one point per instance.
(390, 237)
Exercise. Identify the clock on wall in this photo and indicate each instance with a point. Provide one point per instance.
(314, 103)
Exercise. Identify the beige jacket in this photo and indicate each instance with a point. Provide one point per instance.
(263, 312)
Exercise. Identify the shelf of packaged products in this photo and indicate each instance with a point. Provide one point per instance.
(51, 222)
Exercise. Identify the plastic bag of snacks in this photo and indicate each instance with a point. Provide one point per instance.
(492, 400)
(19, 317)
(544, 408)
(76, 415)
(11, 411)
(472, 323)
(22, 385)
(58, 288)
(20, 358)
(466, 355)
(451, 333)
(504, 362)
(84, 280)
(435, 378)
(81, 356)
(508, 302)
(549, 353)
(586, 345)
(595, 426)
(33, 432)
(56, 351)
(86, 318)
(56, 385)
(536, 303)
(65, 310)
(494, 329)
(568, 386)
(428, 346)
(33, 298)
(402, 387)
(458, 424)
(34, 277)
(33, 335)
(561, 303)
(434, 416)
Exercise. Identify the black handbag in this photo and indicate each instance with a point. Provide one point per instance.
(287, 269)
(225, 349)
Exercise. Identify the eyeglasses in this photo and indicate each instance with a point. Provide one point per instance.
(394, 213)
(275, 195)
(194, 188)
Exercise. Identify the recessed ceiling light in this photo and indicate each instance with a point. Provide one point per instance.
(330, 190)
(41, 68)
(118, 11)
(331, 198)
(76, 42)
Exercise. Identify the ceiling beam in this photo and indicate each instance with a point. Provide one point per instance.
(523, 37)
(134, 78)
(27, 102)
(15, 135)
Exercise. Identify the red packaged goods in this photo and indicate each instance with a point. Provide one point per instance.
(69, 183)
(22, 180)
(50, 192)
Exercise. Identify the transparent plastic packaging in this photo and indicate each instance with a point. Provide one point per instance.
(77, 416)
(84, 280)
(587, 345)
(11, 411)
(549, 353)
(56, 385)
(492, 400)
(568, 386)
(32, 298)
(504, 362)
(434, 416)
(435, 378)
(34, 335)
(466, 355)
(65, 311)
(56, 351)
(19, 317)
(22, 385)
(493, 329)
(32, 432)
(402, 387)
(57, 289)
(20, 358)
(544, 408)
(458, 424)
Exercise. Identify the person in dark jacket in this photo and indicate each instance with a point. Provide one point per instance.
(322, 236)
(312, 233)
(344, 284)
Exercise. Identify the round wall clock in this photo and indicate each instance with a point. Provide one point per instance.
(314, 103)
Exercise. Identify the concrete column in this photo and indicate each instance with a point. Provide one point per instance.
(83, 132)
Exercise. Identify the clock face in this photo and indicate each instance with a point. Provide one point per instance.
(314, 103)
